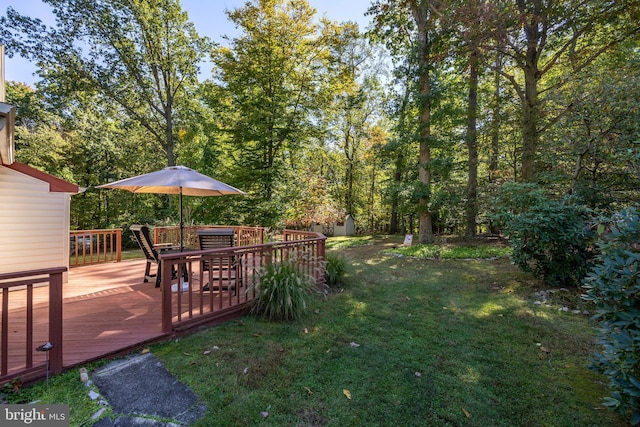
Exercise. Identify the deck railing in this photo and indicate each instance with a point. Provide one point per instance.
(243, 235)
(237, 270)
(232, 276)
(95, 246)
(50, 330)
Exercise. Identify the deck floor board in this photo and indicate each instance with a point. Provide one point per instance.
(106, 308)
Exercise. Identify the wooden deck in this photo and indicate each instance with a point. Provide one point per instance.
(107, 309)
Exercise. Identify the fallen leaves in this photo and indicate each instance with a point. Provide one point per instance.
(347, 393)
(16, 385)
(466, 413)
(265, 413)
(207, 352)
(542, 348)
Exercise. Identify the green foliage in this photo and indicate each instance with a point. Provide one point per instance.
(281, 292)
(550, 238)
(455, 252)
(65, 388)
(291, 110)
(282, 52)
(335, 269)
(342, 242)
(599, 138)
(143, 57)
(613, 285)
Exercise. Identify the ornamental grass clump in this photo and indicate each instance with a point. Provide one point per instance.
(335, 269)
(281, 292)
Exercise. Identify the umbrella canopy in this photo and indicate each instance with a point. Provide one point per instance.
(179, 180)
(175, 180)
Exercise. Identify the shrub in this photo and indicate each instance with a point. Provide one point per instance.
(613, 285)
(281, 292)
(335, 269)
(550, 238)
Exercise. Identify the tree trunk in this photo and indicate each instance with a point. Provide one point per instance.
(529, 124)
(425, 228)
(495, 131)
(530, 110)
(399, 162)
(349, 193)
(472, 147)
(495, 124)
(372, 193)
(397, 179)
(169, 144)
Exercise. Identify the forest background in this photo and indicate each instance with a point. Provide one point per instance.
(411, 125)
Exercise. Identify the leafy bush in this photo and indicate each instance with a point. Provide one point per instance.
(613, 285)
(281, 292)
(550, 238)
(335, 269)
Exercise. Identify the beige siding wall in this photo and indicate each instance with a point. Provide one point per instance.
(34, 224)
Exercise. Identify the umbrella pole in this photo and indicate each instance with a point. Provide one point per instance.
(181, 225)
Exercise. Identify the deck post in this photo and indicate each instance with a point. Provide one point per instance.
(55, 322)
(323, 263)
(119, 245)
(165, 289)
(4, 343)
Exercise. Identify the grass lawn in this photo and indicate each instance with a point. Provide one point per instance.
(407, 341)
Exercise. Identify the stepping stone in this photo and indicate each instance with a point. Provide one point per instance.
(139, 387)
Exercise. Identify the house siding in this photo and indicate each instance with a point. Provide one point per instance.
(34, 224)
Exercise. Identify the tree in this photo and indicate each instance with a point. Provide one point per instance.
(39, 134)
(397, 38)
(273, 74)
(541, 36)
(597, 142)
(470, 19)
(354, 107)
(143, 55)
(425, 37)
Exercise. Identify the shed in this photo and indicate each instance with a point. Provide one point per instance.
(34, 210)
(347, 228)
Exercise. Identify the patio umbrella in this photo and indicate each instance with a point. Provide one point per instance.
(175, 180)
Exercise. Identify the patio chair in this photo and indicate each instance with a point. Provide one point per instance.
(143, 237)
(225, 269)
